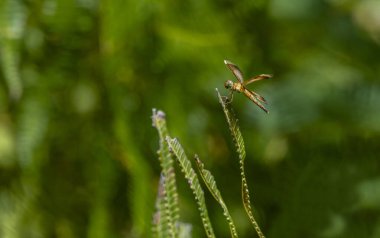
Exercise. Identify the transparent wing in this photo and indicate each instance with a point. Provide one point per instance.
(235, 70)
(257, 78)
(258, 96)
(251, 95)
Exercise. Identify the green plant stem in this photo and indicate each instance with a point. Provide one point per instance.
(240, 149)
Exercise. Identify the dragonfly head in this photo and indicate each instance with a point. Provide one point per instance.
(228, 84)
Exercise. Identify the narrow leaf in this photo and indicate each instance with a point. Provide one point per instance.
(170, 213)
(193, 181)
(160, 225)
(211, 185)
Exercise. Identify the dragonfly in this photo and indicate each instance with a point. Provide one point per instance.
(240, 85)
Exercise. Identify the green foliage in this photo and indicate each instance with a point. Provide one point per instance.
(12, 26)
(78, 79)
(193, 181)
(239, 144)
(166, 216)
(167, 200)
(161, 226)
(209, 180)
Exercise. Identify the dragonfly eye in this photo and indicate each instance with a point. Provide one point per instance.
(228, 84)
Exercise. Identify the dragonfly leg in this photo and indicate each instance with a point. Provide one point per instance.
(230, 97)
(225, 99)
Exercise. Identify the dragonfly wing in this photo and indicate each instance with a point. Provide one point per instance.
(257, 78)
(259, 97)
(251, 95)
(235, 70)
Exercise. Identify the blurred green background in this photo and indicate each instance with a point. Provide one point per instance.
(79, 79)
